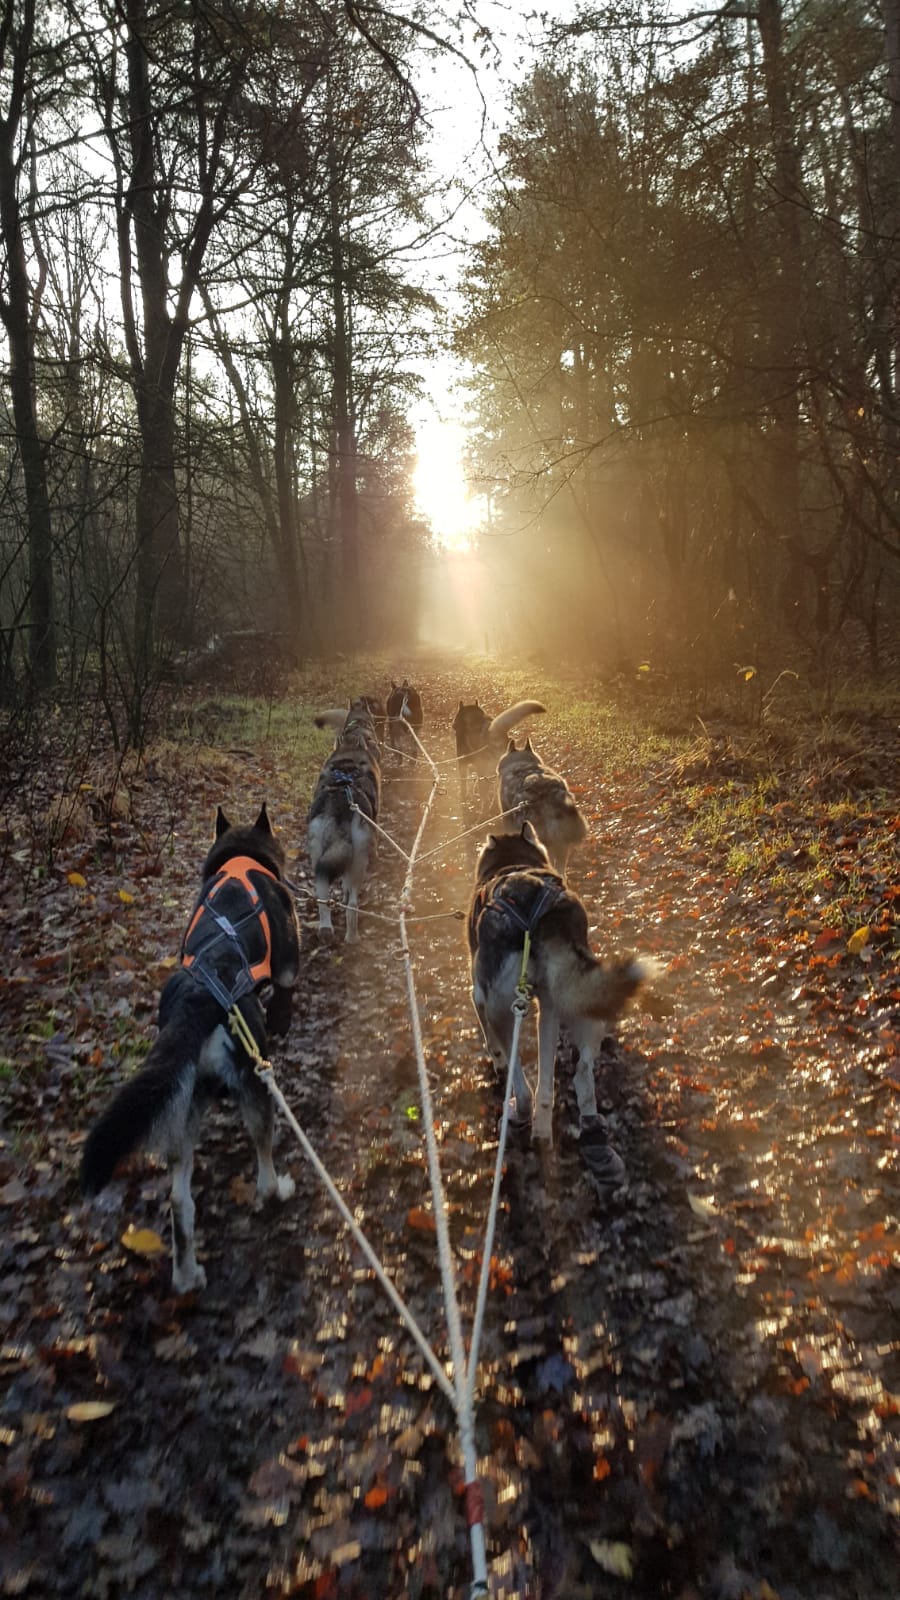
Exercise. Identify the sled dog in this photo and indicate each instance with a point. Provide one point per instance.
(543, 798)
(356, 724)
(404, 711)
(479, 738)
(340, 840)
(241, 949)
(516, 890)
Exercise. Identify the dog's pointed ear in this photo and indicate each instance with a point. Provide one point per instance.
(222, 823)
(460, 705)
(393, 685)
(529, 747)
(262, 822)
(510, 745)
(490, 841)
(529, 833)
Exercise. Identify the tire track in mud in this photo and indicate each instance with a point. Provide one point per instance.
(670, 1387)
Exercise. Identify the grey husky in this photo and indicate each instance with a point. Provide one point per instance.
(341, 842)
(516, 890)
(543, 798)
(479, 737)
(241, 951)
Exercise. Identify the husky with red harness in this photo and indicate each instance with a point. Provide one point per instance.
(241, 952)
(518, 896)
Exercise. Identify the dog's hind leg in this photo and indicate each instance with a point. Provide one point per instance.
(497, 1027)
(548, 1034)
(354, 877)
(323, 894)
(258, 1113)
(278, 1010)
(585, 1087)
(187, 1274)
(604, 1163)
(352, 934)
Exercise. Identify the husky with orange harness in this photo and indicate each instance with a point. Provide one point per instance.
(241, 950)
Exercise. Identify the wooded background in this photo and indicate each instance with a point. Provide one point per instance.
(682, 322)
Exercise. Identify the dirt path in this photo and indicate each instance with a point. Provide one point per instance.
(690, 1390)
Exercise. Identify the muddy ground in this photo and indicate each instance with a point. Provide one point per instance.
(690, 1389)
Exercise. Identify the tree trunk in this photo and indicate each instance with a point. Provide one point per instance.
(160, 592)
(347, 498)
(785, 311)
(19, 323)
(890, 10)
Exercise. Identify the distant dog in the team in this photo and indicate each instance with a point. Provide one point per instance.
(341, 842)
(404, 711)
(516, 891)
(356, 724)
(543, 798)
(479, 738)
(242, 945)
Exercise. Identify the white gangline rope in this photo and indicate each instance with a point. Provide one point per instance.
(521, 1009)
(387, 1284)
(463, 1403)
(460, 1390)
(513, 811)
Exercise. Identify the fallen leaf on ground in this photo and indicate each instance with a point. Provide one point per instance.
(142, 1241)
(90, 1410)
(615, 1558)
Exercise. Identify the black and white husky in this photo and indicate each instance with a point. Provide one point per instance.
(341, 843)
(517, 891)
(479, 737)
(241, 948)
(543, 798)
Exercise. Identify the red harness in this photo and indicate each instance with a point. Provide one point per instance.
(204, 938)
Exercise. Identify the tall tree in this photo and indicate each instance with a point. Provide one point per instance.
(19, 310)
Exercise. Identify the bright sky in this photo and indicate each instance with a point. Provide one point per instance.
(464, 116)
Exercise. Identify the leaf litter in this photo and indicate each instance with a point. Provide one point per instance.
(692, 1388)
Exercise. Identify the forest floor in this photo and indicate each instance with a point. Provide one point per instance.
(689, 1389)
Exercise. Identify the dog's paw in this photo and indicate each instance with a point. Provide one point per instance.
(604, 1164)
(188, 1279)
(520, 1113)
(542, 1132)
(284, 1187)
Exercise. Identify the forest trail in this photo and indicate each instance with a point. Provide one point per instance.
(691, 1389)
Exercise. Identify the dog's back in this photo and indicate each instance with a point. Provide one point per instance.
(339, 838)
(542, 797)
(517, 888)
(522, 912)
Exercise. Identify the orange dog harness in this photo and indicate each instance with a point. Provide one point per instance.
(209, 927)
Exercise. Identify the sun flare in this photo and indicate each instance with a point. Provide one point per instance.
(442, 494)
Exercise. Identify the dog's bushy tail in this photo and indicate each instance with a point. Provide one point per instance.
(334, 719)
(512, 715)
(158, 1095)
(594, 988)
